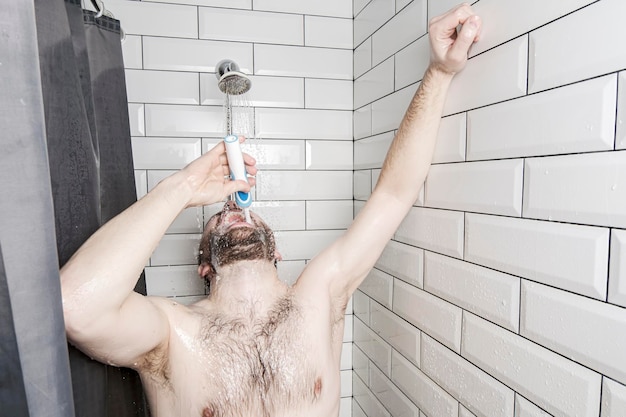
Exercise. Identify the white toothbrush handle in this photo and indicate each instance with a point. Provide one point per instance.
(237, 169)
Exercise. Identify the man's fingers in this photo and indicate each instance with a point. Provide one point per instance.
(466, 37)
(233, 186)
(450, 20)
(474, 23)
(219, 148)
(248, 159)
(250, 164)
(451, 11)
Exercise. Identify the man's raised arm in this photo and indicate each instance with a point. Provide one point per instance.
(408, 159)
(347, 261)
(104, 317)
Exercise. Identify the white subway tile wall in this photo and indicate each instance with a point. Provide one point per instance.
(388, 111)
(464, 412)
(613, 398)
(298, 116)
(503, 292)
(433, 315)
(487, 187)
(392, 398)
(620, 137)
(575, 118)
(411, 62)
(617, 274)
(388, 39)
(450, 145)
(524, 408)
(558, 59)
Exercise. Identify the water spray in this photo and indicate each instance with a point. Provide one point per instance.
(231, 81)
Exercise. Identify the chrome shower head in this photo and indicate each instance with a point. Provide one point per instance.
(230, 79)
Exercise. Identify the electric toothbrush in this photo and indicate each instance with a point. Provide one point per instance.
(238, 171)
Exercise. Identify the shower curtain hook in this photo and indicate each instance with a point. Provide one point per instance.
(102, 11)
(99, 5)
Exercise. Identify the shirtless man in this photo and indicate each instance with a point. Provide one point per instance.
(254, 346)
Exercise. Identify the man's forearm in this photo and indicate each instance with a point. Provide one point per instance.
(410, 154)
(104, 271)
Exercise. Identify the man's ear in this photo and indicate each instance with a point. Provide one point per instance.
(205, 271)
(277, 256)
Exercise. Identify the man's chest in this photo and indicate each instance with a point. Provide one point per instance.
(261, 367)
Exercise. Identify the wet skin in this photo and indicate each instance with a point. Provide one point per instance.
(255, 346)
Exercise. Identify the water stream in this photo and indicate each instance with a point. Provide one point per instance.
(239, 115)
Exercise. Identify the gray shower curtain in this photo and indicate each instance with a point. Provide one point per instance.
(65, 169)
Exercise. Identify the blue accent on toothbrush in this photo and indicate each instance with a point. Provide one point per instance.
(231, 139)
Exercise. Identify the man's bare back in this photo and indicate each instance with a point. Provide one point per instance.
(255, 346)
(277, 363)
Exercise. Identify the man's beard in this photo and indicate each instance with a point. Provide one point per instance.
(241, 244)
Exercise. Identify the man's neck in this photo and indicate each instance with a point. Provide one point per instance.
(246, 287)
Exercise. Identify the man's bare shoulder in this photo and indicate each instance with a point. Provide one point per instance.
(179, 317)
(172, 308)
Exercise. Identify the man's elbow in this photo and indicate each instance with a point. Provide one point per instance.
(405, 189)
(78, 312)
(74, 317)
